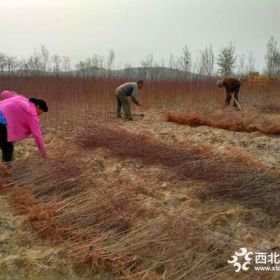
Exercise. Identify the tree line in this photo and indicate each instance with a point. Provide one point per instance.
(227, 62)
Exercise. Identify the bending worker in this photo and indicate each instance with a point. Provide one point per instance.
(19, 117)
(122, 94)
(232, 86)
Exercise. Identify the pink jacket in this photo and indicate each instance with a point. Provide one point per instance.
(22, 119)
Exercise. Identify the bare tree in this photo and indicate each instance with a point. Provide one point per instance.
(206, 61)
(173, 62)
(56, 60)
(251, 60)
(185, 60)
(11, 63)
(111, 59)
(272, 58)
(91, 65)
(226, 60)
(34, 62)
(3, 62)
(66, 63)
(97, 61)
(145, 63)
(241, 65)
(81, 65)
(22, 64)
(44, 55)
(148, 61)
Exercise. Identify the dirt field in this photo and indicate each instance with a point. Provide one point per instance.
(142, 191)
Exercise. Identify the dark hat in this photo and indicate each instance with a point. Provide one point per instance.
(140, 82)
(39, 102)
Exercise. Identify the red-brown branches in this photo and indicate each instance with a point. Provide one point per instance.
(270, 108)
(227, 179)
(43, 215)
(232, 122)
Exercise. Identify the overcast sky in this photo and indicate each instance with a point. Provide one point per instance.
(135, 28)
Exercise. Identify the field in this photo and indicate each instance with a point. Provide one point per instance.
(170, 195)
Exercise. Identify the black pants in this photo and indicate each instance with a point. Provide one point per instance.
(235, 92)
(6, 147)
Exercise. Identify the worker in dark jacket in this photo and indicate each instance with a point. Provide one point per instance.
(122, 94)
(232, 87)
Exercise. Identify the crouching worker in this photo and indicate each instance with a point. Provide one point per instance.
(122, 94)
(232, 87)
(19, 117)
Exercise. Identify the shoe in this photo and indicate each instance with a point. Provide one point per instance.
(130, 119)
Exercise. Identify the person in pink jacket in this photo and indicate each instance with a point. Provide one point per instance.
(19, 117)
